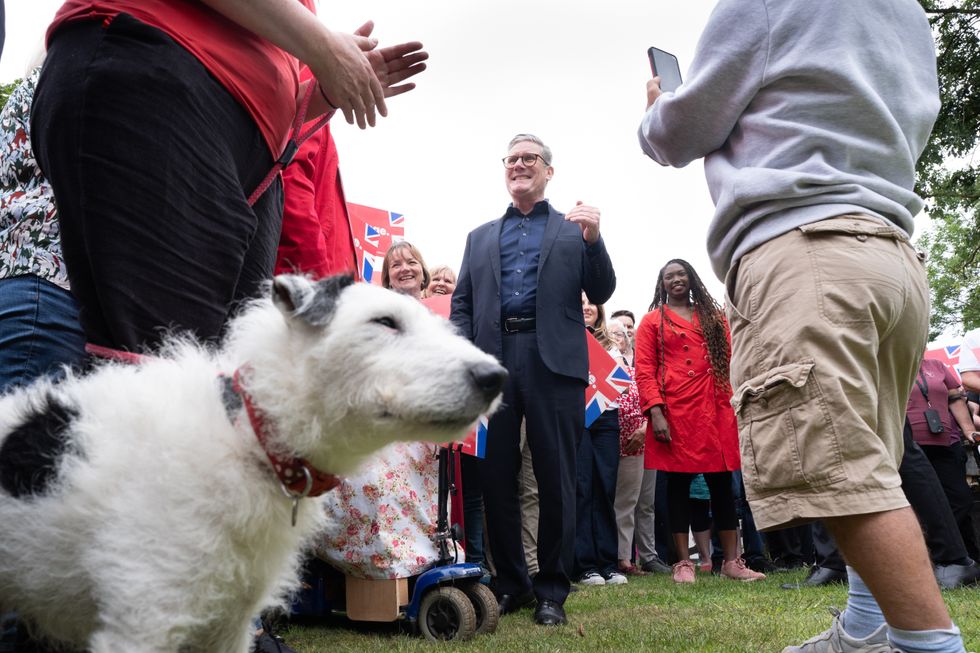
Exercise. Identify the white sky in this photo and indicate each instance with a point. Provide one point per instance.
(571, 71)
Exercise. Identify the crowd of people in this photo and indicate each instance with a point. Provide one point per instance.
(137, 200)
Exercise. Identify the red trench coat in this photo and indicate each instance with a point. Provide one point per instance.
(703, 430)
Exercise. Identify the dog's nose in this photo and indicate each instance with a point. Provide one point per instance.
(488, 378)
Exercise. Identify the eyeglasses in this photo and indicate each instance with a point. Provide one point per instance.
(527, 159)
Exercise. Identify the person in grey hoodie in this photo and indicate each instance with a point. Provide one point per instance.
(810, 117)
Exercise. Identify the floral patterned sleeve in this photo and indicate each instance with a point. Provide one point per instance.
(630, 416)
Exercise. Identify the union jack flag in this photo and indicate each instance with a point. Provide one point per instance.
(370, 268)
(608, 379)
(948, 354)
(380, 229)
(372, 236)
(475, 442)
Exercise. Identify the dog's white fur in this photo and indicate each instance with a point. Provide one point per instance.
(165, 529)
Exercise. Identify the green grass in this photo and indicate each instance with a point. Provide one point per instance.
(649, 614)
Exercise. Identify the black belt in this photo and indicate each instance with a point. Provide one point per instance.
(517, 324)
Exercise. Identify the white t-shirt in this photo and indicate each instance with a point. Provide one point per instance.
(970, 352)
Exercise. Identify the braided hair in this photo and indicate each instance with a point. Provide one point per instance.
(709, 314)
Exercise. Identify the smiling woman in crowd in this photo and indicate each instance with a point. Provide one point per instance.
(404, 270)
(682, 356)
(442, 281)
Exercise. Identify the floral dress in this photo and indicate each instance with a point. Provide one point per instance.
(381, 520)
(630, 416)
(30, 239)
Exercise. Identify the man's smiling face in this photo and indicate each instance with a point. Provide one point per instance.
(524, 182)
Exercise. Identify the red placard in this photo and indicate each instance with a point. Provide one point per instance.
(374, 231)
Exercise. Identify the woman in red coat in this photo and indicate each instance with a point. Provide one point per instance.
(682, 354)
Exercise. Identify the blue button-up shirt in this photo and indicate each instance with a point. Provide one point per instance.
(520, 248)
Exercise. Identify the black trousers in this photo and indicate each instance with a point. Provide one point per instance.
(950, 466)
(925, 494)
(791, 546)
(722, 500)
(151, 161)
(554, 408)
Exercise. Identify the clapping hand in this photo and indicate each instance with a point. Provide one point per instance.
(586, 217)
(362, 75)
(395, 63)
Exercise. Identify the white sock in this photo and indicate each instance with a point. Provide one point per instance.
(927, 641)
(862, 616)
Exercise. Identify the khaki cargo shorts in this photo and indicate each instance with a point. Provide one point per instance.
(828, 324)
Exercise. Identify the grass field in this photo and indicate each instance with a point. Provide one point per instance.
(649, 614)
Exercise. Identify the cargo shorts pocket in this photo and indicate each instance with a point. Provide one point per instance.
(857, 270)
(787, 434)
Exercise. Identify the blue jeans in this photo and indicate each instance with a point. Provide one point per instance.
(39, 334)
(39, 330)
(597, 466)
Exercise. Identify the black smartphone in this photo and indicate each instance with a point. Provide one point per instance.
(664, 65)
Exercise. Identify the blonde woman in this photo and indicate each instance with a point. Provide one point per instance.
(442, 281)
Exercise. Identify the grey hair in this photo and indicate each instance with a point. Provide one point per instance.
(433, 271)
(531, 138)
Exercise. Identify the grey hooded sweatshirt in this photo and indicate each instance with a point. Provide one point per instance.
(802, 110)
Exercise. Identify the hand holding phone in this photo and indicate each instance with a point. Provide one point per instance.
(664, 65)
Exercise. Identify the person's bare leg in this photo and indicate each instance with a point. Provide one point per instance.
(729, 544)
(681, 546)
(889, 553)
(702, 540)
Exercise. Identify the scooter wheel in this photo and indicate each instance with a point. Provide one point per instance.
(485, 605)
(446, 614)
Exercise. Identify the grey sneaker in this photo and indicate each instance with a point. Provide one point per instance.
(835, 640)
(655, 566)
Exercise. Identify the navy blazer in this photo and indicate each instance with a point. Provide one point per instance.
(567, 266)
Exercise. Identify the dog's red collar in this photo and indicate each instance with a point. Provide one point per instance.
(298, 477)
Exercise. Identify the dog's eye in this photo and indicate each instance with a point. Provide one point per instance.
(386, 321)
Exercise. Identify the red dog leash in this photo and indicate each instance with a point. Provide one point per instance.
(296, 138)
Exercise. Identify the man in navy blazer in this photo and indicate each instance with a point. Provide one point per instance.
(519, 297)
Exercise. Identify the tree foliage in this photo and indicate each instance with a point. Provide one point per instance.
(6, 90)
(948, 171)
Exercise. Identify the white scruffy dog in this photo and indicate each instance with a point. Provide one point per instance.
(139, 509)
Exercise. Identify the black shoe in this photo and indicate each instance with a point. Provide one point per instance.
(953, 576)
(512, 603)
(267, 643)
(656, 566)
(761, 564)
(787, 563)
(817, 577)
(549, 613)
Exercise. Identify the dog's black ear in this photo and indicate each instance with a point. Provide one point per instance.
(313, 303)
(292, 294)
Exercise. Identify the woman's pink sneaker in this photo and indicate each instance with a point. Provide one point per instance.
(683, 572)
(704, 566)
(736, 570)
